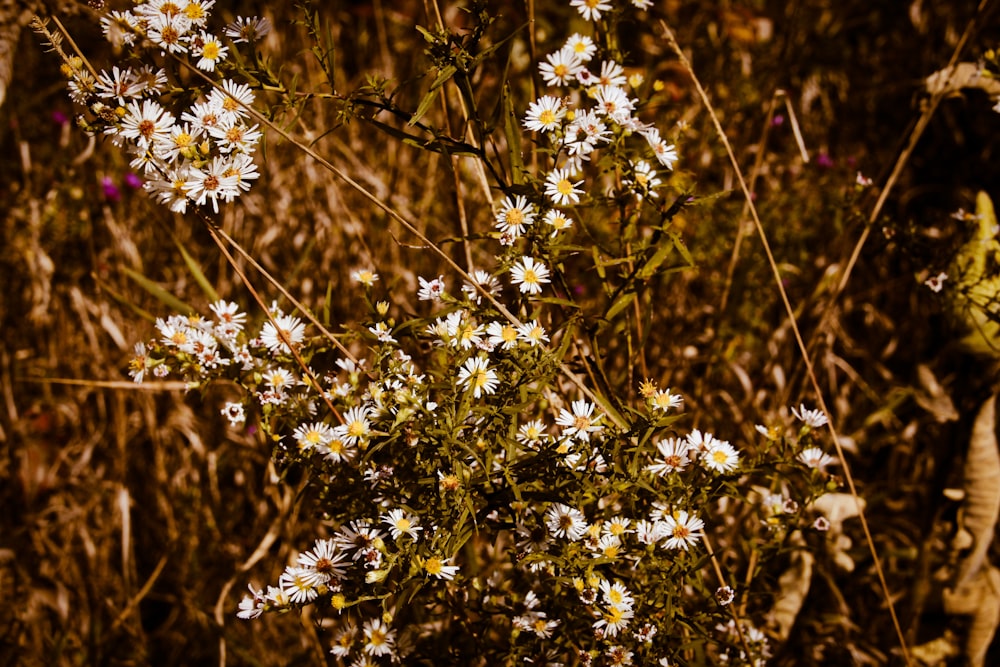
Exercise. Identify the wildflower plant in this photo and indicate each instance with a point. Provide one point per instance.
(490, 475)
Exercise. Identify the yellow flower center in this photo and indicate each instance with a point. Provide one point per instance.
(433, 565)
(194, 11)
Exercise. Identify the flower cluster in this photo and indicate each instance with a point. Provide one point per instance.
(458, 462)
(421, 460)
(191, 148)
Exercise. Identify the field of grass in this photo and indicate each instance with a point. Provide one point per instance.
(133, 516)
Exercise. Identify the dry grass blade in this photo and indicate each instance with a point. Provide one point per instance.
(790, 312)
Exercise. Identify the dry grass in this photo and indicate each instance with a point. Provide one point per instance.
(133, 517)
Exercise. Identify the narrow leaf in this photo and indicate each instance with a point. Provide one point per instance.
(157, 291)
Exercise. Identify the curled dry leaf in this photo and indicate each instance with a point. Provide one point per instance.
(977, 589)
(981, 479)
(980, 599)
(951, 80)
(793, 586)
(838, 508)
(933, 398)
(937, 651)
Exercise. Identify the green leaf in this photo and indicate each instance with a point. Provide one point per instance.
(196, 272)
(682, 248)
(512, 131)
(663, 251)
(425, 104)
(157, 291)
(621, 303)
(975, 298)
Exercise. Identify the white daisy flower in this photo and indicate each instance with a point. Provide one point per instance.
(643, 180)
(211, 182)
(557, 220)
(530, 274)
(673, 457)
(298, 584)
(234, 135)
(203, 115)
(242, 168)
(582, 46)
(209, 51)
(581, 422)
(560, 67)
(232, 99)
(561, 189)
(324, 562)
(514, 215)
(616, 594)
(182, 141)
(146, 124)
(313, 436)
(401, 522)
(478, 377)
(532, 433)
(366, 277)
(380, 639)
(430, 290)
(814, 457)
(170, 33)
(612, 74)
(565, 521)
(544, 114)
(248, 29)
(682, 530)
(614, 620)
(482, 281)
(502, 334)
(811, 418)
(252, 606)
(286, 329)
(532, 333)
(720, 457)
(664, 401)
(119, 85)
(440, 567)
(356, 424)
(614, 103)
(591, 9)
(235, 413)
